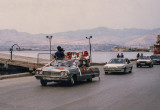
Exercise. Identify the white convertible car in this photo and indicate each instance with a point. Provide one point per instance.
(118, 65)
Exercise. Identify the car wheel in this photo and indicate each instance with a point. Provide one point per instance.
(43, 82)
(124, 70)
(130, 70)
(72, 81)
(150, 65)
(89, 80)
(106, 72)
(137, 66)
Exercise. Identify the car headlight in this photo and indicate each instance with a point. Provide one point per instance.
(64, 73)
(39, 72)
(121, 67)
(105, 67)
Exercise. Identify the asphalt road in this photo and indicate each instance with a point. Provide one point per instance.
(139, 90)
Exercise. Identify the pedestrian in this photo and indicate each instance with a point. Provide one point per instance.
(122, 56)
(141, 55)
(118, 55)
(138, 55)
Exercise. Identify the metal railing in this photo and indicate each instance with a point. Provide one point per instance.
(43, 58)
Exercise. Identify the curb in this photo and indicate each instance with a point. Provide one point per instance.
(14, 75)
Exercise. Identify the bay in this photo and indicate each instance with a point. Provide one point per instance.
(97, 56)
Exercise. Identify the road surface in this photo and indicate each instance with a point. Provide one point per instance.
(139, 90)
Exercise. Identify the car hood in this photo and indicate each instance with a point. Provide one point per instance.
(114, 65)
(156, 59)
(55, 69)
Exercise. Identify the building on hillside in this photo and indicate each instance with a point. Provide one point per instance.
(117, 48)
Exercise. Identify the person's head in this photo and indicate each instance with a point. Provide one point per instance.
(77, 54)
(62, 50)
(59, 48)
(68, 53)
(85, 53)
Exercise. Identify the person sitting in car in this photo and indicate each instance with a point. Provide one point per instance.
(85, 60)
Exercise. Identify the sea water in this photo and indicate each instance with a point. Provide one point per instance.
(96, 56)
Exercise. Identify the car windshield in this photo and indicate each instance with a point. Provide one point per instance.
(155, 57)
(144, 57)
(62, 63)
(119, 61)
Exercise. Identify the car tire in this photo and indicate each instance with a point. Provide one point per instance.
(130, 70)
(72, 81)
(43, 82)
(89, 80)
(106, 72)
(150, 65)
(124, 70)
(137, 66)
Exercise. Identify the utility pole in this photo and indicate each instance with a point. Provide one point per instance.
(90, 46)
(11, 49)
(50, 38)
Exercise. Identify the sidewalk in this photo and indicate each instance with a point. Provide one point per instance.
(14, 75)
(19, 58)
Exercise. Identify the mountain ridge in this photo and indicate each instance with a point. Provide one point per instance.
(101, 35)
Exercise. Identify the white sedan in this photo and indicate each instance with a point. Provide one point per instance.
(118, 65)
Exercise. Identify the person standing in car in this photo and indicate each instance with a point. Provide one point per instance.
(59, 55)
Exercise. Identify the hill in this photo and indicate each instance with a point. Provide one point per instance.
(101, 36)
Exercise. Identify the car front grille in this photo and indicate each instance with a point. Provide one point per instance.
(51, 73)
(142, 62)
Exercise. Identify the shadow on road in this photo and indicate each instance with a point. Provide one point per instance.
(65, 84)
(117, 73)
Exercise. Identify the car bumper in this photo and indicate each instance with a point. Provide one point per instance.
(156, 62)
(114, 69)
(53, 78)
(144, 64)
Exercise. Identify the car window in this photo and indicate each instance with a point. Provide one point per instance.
(116, 61)
(144, 57)
(62, 63)
(155, 57)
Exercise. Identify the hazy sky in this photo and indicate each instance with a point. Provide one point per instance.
(50, 16)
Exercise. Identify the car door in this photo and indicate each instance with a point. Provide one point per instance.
(128, 65)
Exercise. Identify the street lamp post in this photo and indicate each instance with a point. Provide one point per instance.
(89, 46)
(11, 49)
(50, 38)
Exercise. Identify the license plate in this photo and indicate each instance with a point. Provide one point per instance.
(142, 63)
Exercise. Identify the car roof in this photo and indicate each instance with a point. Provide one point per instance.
(120, 58)
(156, 55)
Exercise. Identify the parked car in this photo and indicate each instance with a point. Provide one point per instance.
(144, 61)
(118, 65)
(156, 58)
(66, 71)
